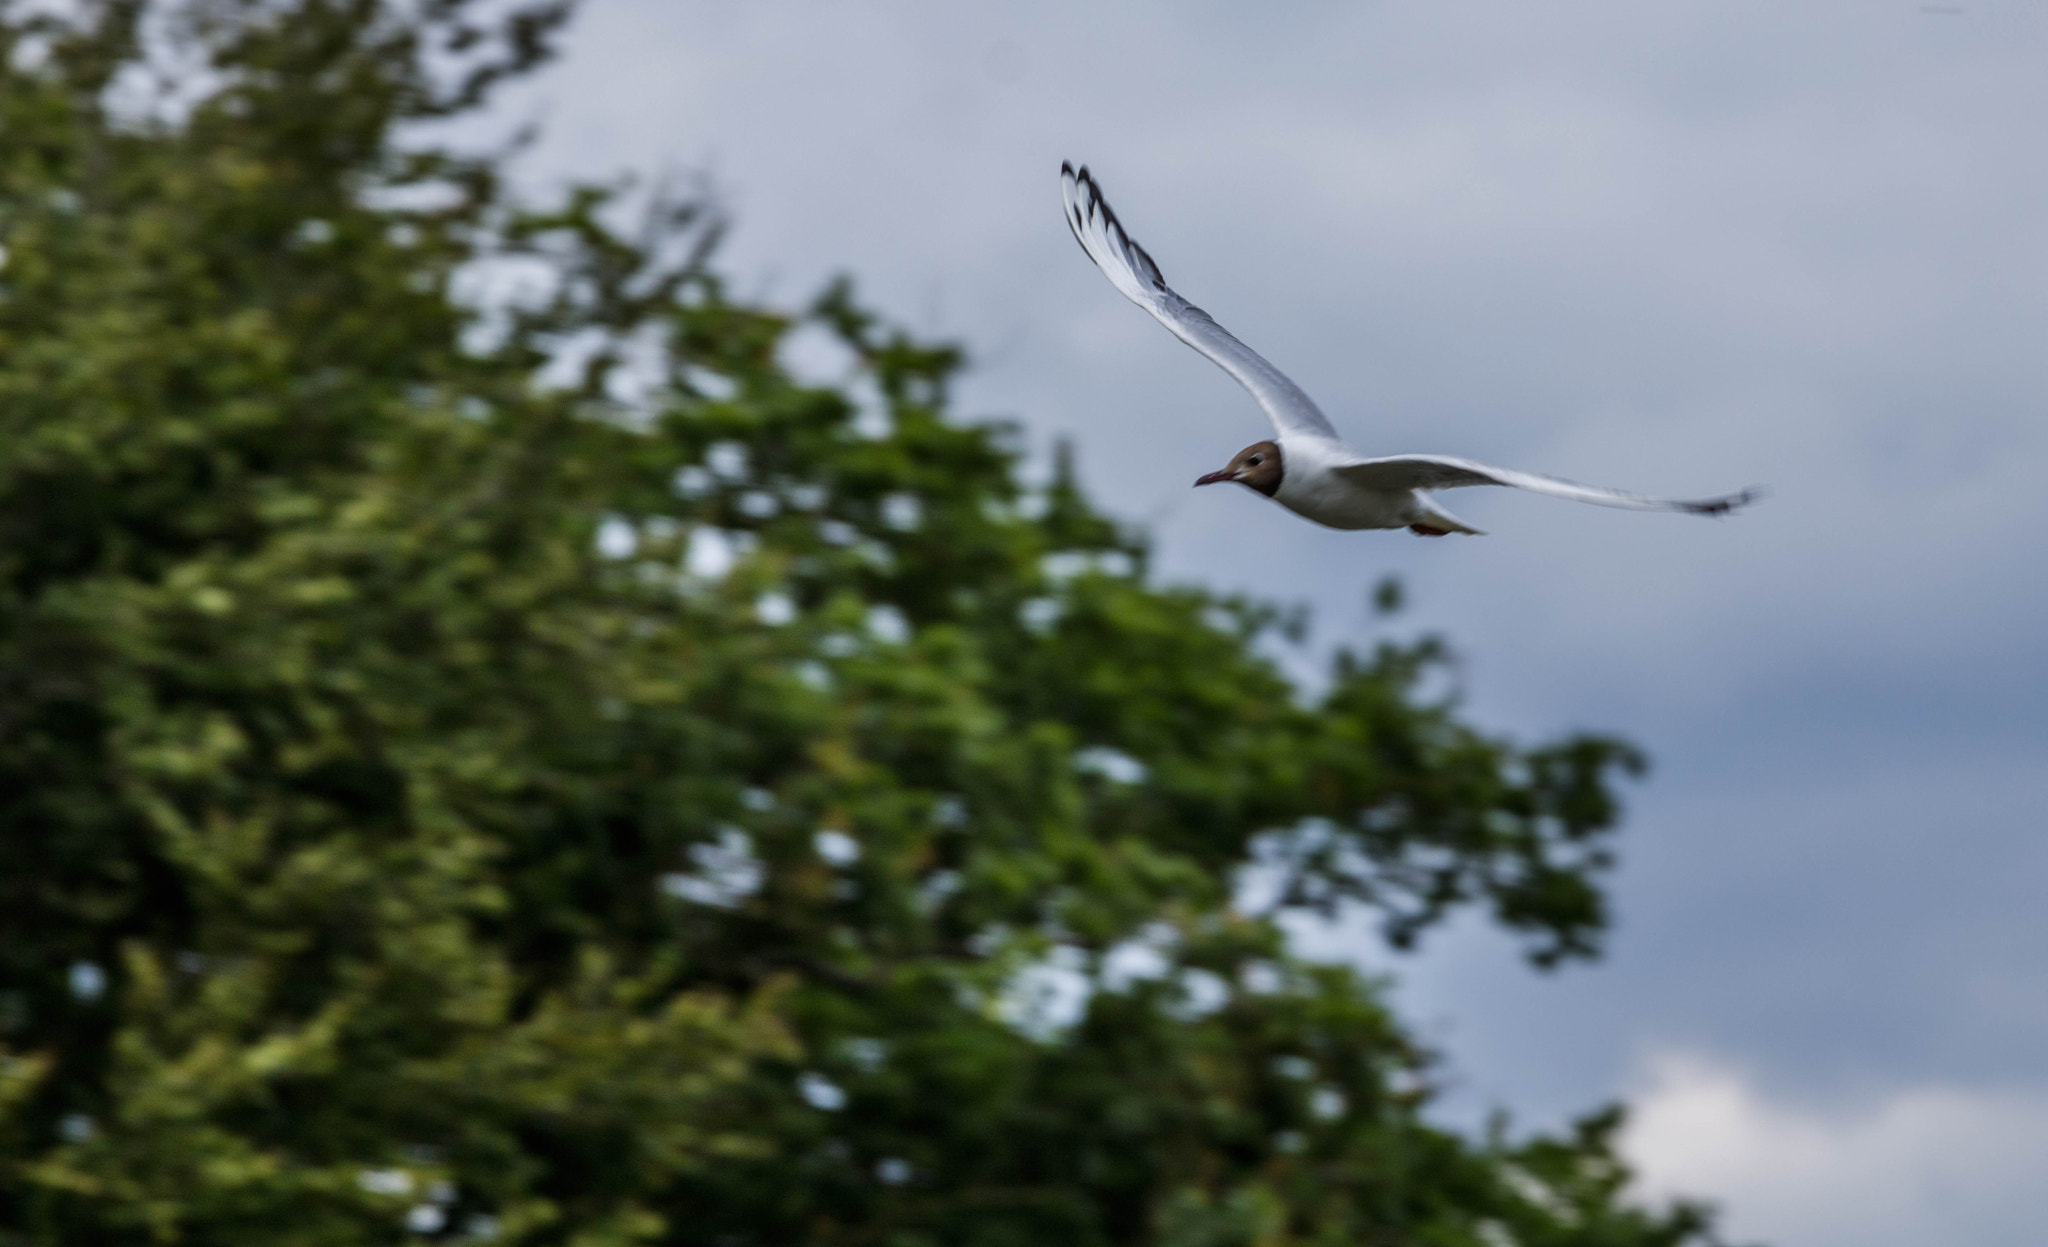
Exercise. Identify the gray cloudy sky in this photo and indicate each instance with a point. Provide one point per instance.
(1677, 248)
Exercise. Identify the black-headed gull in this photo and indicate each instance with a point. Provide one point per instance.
(1308, 469)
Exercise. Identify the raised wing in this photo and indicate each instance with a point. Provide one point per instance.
(1398, 472)
(1132, 271)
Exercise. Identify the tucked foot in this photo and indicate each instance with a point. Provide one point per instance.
(1428, 530)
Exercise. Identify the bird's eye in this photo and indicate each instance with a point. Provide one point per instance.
(1256, 460)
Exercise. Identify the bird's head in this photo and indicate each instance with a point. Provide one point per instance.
(1257, 465)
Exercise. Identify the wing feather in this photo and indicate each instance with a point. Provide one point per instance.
(1132, 271)
(1428, 472)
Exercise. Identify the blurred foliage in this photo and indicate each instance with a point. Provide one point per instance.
(490, 749)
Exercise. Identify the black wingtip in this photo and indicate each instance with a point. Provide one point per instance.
(1093, 198)
(1077, 206)
(1093, 202)
(1729, 504)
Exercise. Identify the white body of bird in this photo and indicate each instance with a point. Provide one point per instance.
(1313, 485)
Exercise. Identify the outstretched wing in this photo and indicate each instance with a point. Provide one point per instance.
(1130, 270)
(1398, 472)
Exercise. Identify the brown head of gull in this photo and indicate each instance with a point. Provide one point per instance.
(1257, 466)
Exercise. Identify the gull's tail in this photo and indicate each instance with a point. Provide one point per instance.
(1432, 520)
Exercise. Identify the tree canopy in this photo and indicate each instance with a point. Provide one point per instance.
(492, 750)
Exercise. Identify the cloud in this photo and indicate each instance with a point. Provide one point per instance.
(1907, 1168)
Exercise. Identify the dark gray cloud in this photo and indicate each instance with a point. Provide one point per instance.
(1677, 248)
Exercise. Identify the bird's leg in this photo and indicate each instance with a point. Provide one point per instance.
(1428, 530)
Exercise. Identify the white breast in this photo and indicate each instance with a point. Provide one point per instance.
(1311, 490)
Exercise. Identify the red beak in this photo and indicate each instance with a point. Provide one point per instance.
(1216, 478)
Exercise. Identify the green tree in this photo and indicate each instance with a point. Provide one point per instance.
(528, 767)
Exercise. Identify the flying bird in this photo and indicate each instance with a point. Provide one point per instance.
(1307, 468)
